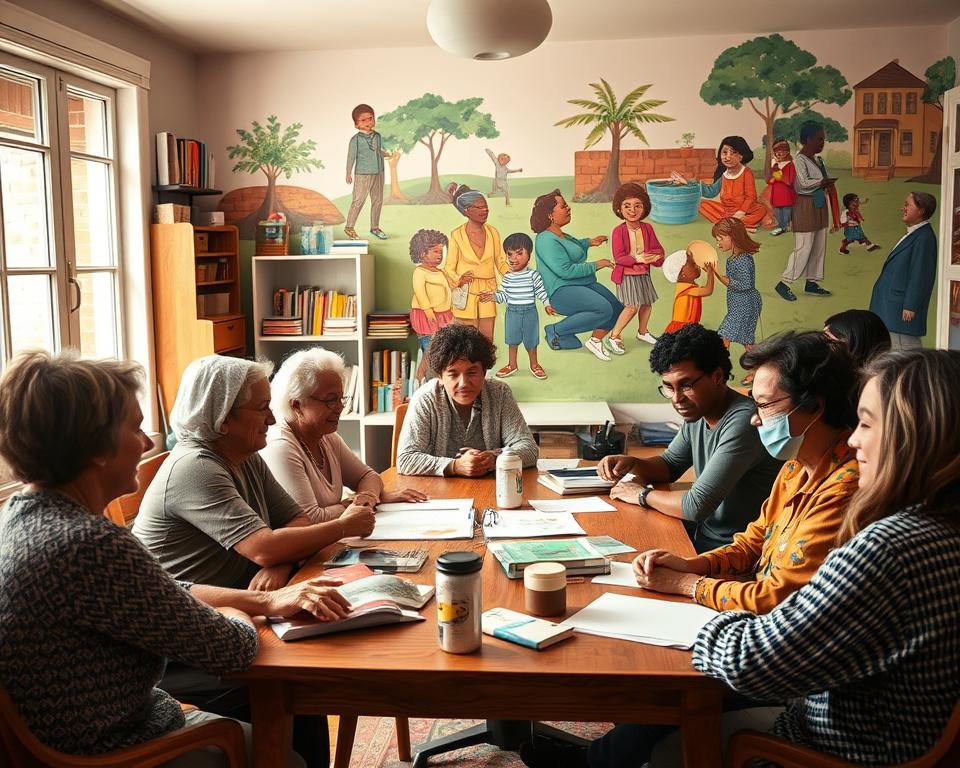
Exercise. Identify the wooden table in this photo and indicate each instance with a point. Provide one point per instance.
(400, 671)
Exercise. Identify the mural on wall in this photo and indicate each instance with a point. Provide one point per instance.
(274, 150)
(577, 264)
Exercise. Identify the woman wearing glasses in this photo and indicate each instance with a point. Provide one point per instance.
(305, 453)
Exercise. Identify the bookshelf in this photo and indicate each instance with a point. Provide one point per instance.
(196, 298)
(367, 434)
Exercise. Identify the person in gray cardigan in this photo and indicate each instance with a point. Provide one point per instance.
(457, 423)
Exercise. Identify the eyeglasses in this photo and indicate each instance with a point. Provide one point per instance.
(686, 390)
(330, 402)
(768, 404)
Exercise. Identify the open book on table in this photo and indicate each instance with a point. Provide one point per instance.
(377, 598)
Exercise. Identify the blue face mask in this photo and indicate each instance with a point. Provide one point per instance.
(776, 438)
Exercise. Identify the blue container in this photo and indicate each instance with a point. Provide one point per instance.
(673, 203)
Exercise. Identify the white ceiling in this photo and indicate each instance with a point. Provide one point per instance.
(209, 26)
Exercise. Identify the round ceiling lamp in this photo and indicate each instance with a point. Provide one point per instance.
(488, 30)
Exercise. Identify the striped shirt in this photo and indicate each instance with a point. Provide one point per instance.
(522, 287)
(868, 652)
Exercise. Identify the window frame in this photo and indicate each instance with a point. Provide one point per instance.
(906, 143)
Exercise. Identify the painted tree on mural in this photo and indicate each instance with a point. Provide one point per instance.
(775, 77)
(273, 150)
(621, 120)
(432, 121)
(789, 127)
(398, 130)
(941, 76)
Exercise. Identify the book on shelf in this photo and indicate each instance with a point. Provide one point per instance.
(183, 161)
(377, 598)
(388, 325)
(386, 560)
(570, 481)
(391, 382)
(319, 311)
(578, 556)
(521, 629)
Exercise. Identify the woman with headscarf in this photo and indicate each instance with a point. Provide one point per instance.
(474, 257)
(733, 191)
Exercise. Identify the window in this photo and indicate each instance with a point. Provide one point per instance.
(906, 143)
(911, 103)
(59, 254)
(896, 102)
(881, 103)
(868, 103)
(863, 144)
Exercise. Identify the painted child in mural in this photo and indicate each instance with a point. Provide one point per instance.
(474, 250)
(680, 268)
(852, 222)
(733, 186)
(571, 280)
(743, 299)
(519, 290)
(365, 155)
(780, 178)
(636, 251)
(500, 171)
(430, 306)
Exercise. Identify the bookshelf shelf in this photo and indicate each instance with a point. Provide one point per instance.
(352, 337)
(186, 189)
(211, 254)
(206, 283)
(307, 258)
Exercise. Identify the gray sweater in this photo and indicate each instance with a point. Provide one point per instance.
(433, 432)
(87, 618)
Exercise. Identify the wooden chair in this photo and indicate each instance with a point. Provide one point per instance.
(748, 745)
(398, 417)
(123, 510)
(21, 749)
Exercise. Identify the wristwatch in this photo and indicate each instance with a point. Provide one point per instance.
(642, 498)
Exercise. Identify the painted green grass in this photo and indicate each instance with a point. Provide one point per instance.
(578, 375)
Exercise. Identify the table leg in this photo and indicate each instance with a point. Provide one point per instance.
(272, 725)
(700, 729)
(345, 733)
(403, 739)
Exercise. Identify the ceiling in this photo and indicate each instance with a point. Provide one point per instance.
(211, 26)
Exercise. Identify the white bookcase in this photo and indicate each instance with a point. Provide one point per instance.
(948, 307)
(368, 434)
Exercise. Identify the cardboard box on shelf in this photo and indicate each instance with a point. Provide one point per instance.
(558, 445)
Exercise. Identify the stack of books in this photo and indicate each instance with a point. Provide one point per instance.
(183, 161)
(388, 325)
(317, 311)
(281, 326)
(349, 248)
(578, 556)
(570, 481)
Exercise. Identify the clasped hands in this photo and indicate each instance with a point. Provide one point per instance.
(662, 571)
(470, 462)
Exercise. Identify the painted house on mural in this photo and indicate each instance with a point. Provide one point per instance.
(895, 131)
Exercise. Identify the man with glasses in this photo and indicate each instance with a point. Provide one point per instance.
(734, 472)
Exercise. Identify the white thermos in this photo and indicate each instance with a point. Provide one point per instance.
(509, 480)
(459, 601)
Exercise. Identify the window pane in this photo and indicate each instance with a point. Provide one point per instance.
(98, 314)
(19, 118)
(88, 124)
(92, 220)
(31, 312)
(23, 187)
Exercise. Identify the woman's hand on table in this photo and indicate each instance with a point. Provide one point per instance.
(271, 577)
(473, 463)
(317, 596)
(628, 492)
(357, 520)
(662, 571)
(615, 467)
(403, 494)
(598, 240)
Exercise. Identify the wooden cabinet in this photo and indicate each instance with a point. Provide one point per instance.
(196, 298)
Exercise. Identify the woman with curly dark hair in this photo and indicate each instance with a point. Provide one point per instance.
(457, 423)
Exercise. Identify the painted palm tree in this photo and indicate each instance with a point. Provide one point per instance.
(621, 120)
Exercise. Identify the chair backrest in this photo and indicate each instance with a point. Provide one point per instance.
(124, 509)
(398, 417)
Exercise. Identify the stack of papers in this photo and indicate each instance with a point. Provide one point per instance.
(565, 481)
(425, 520)
(521, 524)
(583, 504)
(641, 620)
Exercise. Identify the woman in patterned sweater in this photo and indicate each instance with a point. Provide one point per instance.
(868, 652)
(87, 616)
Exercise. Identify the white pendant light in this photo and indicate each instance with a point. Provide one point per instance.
(488, 29)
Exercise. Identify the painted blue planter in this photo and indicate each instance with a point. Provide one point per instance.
(672, 203)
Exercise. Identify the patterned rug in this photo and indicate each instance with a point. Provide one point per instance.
(375, 744)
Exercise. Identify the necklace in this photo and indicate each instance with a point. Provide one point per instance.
(317, 464)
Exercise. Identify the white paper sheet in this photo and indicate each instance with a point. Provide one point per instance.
(579, 504)
(524, 524)
(423, 521)
(645, 620)
(546, 465)
(621, 575)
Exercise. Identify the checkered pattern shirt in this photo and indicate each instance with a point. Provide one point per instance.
(868, 652)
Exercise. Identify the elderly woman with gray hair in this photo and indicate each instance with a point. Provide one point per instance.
(474, 256)
(305, 453)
